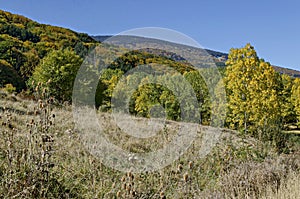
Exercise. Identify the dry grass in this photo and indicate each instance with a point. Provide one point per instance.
(250, 179)
(290, 188)
(42, 156)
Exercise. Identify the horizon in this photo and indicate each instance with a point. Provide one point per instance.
(271, 27)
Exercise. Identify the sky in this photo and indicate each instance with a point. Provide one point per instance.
(272, 27)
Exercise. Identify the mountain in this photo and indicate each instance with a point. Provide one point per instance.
(219, 57)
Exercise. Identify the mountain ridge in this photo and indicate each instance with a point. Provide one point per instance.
(219, 57)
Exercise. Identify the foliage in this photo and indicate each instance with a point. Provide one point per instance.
(202, 93)
(135, 58)
(9, 88)
(253, 99)
(219, 104)
(24, 42)
(57, 72)
(285, 84)
(8, 75)
(145, 93)
(19, 33)
(295, 98)
(107, 83)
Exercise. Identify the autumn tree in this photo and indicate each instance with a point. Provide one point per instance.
(241, 66)
(295, 98)
(285, 83)
(253, 101)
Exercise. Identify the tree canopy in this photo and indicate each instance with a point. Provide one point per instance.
(57, 72)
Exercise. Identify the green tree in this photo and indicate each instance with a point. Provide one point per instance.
(147, 96)
(218, 105)
(202, 93)
(106, 86)
(57, 72)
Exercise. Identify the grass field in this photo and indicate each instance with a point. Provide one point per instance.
(43, 156)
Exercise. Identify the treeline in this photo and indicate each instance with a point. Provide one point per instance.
(257, 96)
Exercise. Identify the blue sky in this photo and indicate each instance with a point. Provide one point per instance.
(272, 27)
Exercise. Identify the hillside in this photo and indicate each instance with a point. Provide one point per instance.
(219, 57)
(23, 43)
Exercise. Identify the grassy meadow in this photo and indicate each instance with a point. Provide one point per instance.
(42, 156)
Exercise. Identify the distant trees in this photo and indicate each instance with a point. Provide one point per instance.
(32, 60)
(18, 32)
(199, 86)
(106, 86)
(23, 43)
(57, 72)
(150, 95)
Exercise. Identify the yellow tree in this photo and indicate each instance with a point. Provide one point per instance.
(253, 102)
(295, 98)
(265, 99)
(287, 108)
(241, 67)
